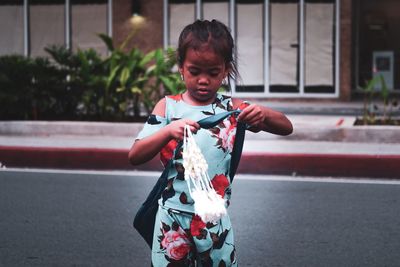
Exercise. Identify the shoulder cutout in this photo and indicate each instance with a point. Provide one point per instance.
(159, 108)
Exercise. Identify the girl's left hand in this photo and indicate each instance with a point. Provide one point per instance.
(254, 115)
(261, 118)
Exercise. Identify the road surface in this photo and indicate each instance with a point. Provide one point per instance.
(70, 218)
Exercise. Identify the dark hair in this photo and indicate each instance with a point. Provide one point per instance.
(213, 33)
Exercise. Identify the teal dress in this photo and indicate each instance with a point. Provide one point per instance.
(180, 236)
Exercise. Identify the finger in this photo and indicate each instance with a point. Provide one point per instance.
(193, 124)
(246, 112)
(254, 122)
(250, 115)
(193, 129)
(242, 116)
(196, 125)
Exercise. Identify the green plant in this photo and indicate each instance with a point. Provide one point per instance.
(125, 79)
(84, 73)
(370, 109)
(81, 85)
(388, 103)
(15, 90)
(28, 87)
(138, 78)
(160, 77)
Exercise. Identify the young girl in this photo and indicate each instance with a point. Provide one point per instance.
(205, 60)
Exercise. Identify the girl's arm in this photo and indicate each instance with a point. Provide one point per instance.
(145, 149)
(261, 118)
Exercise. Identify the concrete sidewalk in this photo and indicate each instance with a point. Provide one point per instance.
(321, 145)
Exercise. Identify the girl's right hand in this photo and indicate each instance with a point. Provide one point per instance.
(176, 128)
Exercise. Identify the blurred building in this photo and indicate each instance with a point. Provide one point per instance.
(298, 49)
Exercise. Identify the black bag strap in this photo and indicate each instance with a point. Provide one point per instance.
(213, 120)
(237, 149)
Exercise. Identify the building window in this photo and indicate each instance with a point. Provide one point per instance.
(218, 10)
(181, 13)
(28, 27)
(319, 44)
(88, 18)
(285, 48)
(250, 43)
(46, 25)
(11, 27)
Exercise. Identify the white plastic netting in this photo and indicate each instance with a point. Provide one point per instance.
(209, 205)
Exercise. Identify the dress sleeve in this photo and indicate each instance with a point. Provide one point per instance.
(152, 125)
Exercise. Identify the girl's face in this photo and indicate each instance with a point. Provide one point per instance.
(203, 71)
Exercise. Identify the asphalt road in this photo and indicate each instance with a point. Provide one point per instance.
(84, 219)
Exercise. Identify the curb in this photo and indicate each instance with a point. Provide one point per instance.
(311, 128)
(85, 128)
(343, 165)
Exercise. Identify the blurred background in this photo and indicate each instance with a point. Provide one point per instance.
(78, 78)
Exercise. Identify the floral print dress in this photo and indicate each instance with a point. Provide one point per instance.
(180, 237)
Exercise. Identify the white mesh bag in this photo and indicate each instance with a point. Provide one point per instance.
(209, 205)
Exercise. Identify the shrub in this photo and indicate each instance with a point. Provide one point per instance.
(81, 85)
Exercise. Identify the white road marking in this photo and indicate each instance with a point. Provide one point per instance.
(91, 172)
(320, 179)
(256, 177)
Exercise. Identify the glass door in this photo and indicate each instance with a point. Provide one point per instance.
(11, 27)
(47, 25)
(250, 46)
(319, 44)
(88, 19)
(284, 47)
(377, 43)
(216, 9)
(181, 13)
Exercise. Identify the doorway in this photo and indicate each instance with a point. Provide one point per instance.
(377, 42)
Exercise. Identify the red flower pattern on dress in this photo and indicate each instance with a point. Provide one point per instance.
(226, 134)
(167, 152)
(244, 105)
(196, 225)
(177, 97)
(220, 182)
(176, 244)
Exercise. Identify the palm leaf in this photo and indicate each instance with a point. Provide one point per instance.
(107, 40)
